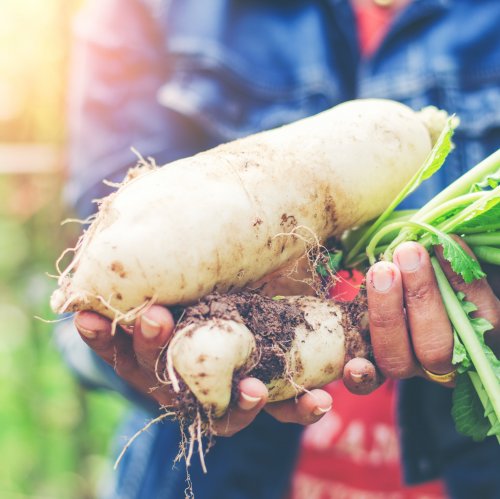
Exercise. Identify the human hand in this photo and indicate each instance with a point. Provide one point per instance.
(409, 327)
(134, 354)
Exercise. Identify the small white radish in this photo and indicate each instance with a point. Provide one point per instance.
(291, 344)
(223, 219)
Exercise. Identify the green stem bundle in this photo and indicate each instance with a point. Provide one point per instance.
(469, 207)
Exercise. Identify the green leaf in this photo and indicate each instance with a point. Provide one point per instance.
(331, 265)
(480, 326)
(472, 410)
(461, 262)
(494, 430)
(489, 409)
(468, 306)
(490, 181)
(487, 201)
(460, 355)
(436, 157)
(467, 410)
(489, 217)
(446, 216)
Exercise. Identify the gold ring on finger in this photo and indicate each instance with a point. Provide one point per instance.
(440, 378)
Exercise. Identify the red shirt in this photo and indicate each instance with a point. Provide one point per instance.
(353, 452)
(373, 22)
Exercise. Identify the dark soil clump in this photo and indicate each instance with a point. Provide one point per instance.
(357, 337)
(272, 321)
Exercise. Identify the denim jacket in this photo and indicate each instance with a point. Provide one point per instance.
(173, 77)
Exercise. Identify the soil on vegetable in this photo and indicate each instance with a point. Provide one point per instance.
(187, 405)
(354, 322)
(273, 323)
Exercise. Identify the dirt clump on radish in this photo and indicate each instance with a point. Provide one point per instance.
(272, 323)
(292, 344)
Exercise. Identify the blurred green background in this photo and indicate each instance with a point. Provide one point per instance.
(54, 436)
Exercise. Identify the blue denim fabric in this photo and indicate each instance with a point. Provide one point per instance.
(254, 463)
(171, 78)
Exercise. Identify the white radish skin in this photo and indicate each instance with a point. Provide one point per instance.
(318, 356)
(206, 355)
(223, 219)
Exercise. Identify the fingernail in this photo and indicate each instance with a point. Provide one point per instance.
(247, 402)
(382, 276)
(88, 333)
(128, 329)
(150, 328)
(408, 258)
(358, 378)
(319, 411)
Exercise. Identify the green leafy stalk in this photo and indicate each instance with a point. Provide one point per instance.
(479, 209)
(470, 206)
(468, 182)
(483, 239)
(491, 180)
(471, 334)
(482, 209)
(483, 214)
(460, 261)
(443, 211)
(468, 411)
(494, 428)
(479, 229)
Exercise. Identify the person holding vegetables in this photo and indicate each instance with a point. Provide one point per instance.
(174, 78)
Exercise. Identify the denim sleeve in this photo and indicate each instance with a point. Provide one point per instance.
(119, 63)
(92, 372)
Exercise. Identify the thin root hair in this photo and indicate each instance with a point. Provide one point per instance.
(315, 254)
(85, 221)
(138, 433)
(53, 321)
